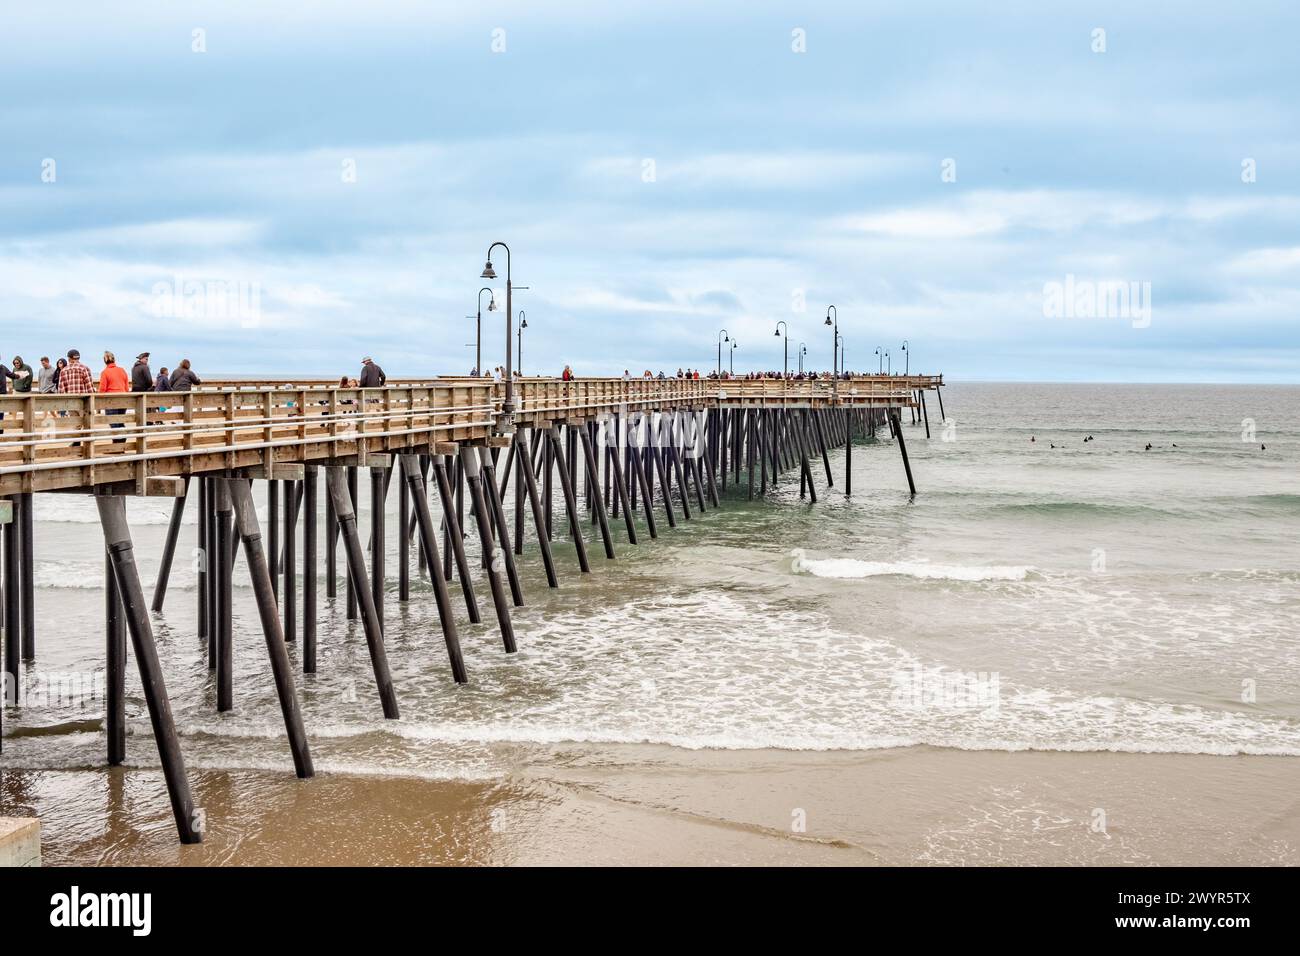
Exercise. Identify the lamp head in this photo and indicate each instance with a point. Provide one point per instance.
(777, 333)
(492, 304)
(828, 319)
(523, 323)
(488, 271)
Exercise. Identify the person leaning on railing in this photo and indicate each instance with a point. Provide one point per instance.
(183, 378)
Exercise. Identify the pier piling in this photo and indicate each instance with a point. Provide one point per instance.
(454, 539)
(424, 524)
(117, 537)
(169, 549)
(115, 666)
(347, 521)
(241, 499)
(309, 497)
(470, 468)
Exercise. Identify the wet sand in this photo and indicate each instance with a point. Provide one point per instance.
(640, 804)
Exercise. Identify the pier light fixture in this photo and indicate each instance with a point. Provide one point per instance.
(508, 405)
(839, 339)
(523, 324)
(723, 336)
(889, 368)
(803, 350)
(835, 343)
(880, 357)
(478, 328)
(734, 345)
(785, 372)
(907, 358)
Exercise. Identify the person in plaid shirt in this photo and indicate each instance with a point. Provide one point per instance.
(76, 378)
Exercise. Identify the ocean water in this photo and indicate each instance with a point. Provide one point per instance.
(1092, 596)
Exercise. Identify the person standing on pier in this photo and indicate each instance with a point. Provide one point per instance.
(22, 375)
(163, 382)
(184, 379)
(113, 379)
(74, 379)
(372, 376)
(48, 381)
(5, 375)
(141, 376)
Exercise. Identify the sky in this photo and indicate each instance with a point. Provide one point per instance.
(1020, 191)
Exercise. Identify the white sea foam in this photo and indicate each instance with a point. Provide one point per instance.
(1201, 732)
(81, 509)
(854, 568)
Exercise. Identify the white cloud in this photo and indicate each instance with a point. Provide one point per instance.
(752, 170)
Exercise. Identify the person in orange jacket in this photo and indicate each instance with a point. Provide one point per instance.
(114, 379)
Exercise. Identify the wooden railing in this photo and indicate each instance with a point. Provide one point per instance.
(50, 441)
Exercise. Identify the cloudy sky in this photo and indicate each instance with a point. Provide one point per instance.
(333, 173)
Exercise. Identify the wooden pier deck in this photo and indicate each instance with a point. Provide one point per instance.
(229, 425)
(632, 451)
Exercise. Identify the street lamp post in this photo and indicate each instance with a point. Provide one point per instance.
(835, 344)
(803, 350)
(507, 406)
(889, 366)
(523, 324)
(723, 336)
(478, 327)
(907, 358)
(734, 345)
(785, 371)
(839, 339)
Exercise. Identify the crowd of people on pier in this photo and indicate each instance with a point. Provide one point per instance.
(72, 376)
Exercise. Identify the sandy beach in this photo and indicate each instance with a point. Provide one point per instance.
(642, 804)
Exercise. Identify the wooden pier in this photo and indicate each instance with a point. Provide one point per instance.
(635, 452)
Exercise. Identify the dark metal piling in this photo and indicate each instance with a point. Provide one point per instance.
(309, 497)
(454, 538)
(115, 664)
(498, 515)
(223, 597)
(470, 469)
(424, 522)
(117, 537)
(240, 497)
(529, 482)
(347, 520)
(570, 499)
(169, 549)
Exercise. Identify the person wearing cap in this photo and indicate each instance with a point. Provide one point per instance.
(372, 376)
(75, 378)
(141, 375)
